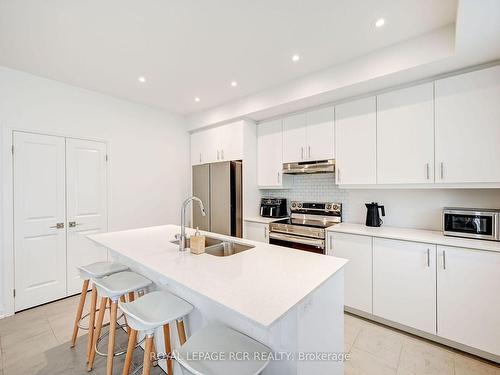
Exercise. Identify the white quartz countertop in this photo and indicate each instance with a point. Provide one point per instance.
(261, 284)
(415, 235)
(264, 220)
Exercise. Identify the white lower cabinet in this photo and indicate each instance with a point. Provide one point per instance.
(404, 283)
(256, 231)
(358, 272)
(468, 303)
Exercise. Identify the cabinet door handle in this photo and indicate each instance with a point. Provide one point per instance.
(309, 151)
(58, 226)
(302, 153)
(200, 157)
(427, 169)
(444, 259)
(338, 175)
(218, 154)
(265, 232)
(442, 170)
(428, 257)
(278, 177)
(222, 154)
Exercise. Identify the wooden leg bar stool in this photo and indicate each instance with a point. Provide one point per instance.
(113, 288)
(89, 273)
(225, 342)
(146, 314)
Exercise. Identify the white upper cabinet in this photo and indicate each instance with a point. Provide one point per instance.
(404, 283)
(468, 300)
(197, 153)
(269, 153)
(356, 142)
(221, 143)
(230, 141)
(320, 134)
(308, 136)
(468, 127)
(405, 136)
(294, 138)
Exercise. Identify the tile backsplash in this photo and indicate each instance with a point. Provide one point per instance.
(409, 208)
(312, 188)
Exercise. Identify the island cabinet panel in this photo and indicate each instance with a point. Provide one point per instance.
(356, 142)
(468, 308)
(404, 283)
(256, 231)
(294, 138)
(358, 272)
(468, 127)
(405, 135)
(270, 153)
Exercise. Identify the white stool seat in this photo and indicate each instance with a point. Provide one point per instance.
(100, 269)
(154, 310)
(219, 339)
(121, 283)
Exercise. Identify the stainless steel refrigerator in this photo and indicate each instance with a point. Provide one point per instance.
(219, 186)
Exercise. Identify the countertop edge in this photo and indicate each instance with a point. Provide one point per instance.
(263, 220)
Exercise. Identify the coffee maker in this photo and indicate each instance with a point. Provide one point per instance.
(372, 216)
(273, 207)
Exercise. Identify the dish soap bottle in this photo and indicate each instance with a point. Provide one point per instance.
(197, 243)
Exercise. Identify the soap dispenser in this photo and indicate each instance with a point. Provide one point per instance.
(197, 243)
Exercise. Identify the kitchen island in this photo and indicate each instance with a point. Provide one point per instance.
(291, 301)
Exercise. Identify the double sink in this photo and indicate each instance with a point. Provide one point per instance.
(220, 248)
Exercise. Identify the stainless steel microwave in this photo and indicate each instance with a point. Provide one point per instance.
(483, 224)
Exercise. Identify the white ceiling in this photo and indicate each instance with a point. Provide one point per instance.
(189, 48)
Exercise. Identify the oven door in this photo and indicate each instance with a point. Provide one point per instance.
(470, 224)
(314, 245)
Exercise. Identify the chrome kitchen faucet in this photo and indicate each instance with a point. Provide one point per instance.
(182, 236)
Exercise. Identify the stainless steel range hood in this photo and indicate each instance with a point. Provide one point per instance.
(306, 167)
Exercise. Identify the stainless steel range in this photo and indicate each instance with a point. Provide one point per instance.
(305, 229)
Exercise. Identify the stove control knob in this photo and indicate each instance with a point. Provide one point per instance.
(335, 207)
(328, 207)
(294, 204)
(299, 205)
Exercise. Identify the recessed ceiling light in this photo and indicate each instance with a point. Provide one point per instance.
(295, 58)
(196, 99)
(380, 22)
(234, 83)
(142, 79)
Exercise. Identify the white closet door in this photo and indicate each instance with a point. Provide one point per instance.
(39, 219)
(86, 205)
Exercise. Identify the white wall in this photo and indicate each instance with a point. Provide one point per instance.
(149, 148)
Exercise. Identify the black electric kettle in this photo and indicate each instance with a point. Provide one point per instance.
(372, 217)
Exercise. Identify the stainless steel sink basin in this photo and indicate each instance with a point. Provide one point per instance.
(227, 248)
(209, 241)
(220, 248)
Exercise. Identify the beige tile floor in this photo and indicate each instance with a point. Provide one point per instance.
(374, 349)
